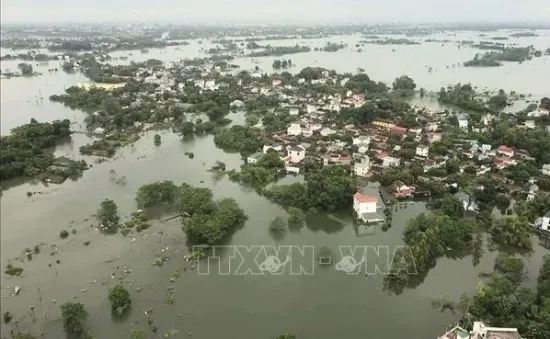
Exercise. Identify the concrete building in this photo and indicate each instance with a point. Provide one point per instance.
(296, 154)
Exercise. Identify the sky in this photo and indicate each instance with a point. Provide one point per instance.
(275, 11)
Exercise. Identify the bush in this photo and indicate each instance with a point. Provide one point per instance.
(277, 226)
(64, 234)
(120, 299)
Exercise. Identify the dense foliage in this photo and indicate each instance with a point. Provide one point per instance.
(107, 215)
(208, 221)
(504, 302)
(120, 299)
(74, 316)
(23, 151)
(328, 189)
(165, 192)
(246, 140)
(428, 237)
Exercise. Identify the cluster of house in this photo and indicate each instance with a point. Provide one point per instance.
(480, 331)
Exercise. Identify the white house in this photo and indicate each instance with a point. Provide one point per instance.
(390, 162)
(276, 82)
(211, 85)
(422, 151)
(294, 129)
(277, 148)
(296, 154)
(327, 131)
(292, 169)
(311, 109)
(546, 169)
(462, 121)
(362, 168)
(362, 148)
(365, 206)
(362, 139)
(530, 124)
(252, 159)
(293, 111)
(307, 132)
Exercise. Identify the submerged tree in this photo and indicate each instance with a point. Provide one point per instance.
(74, 316)
(157, 140)
(120, 299)
(107, 215)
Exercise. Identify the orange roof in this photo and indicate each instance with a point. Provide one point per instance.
(364, 198)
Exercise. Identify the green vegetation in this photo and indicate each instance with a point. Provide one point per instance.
(74, 316)
(246, 140)
(7, 316)
(208, 221)
(493, 59)
(157, 140)
(389, 41)
(13, 270)
(278, 64)
(331, 47)
(279, 51)
(23, 152)
(296, 218)
(165, 192)
(64, 234)
(137, 333)
(120, 299)
(512, 230)
(268, 169)
(23, 336)
(328, 189)
(286, 336)
(503, 301)
(26, 69)
(107, 215)
(428, 237)
(277, 226)
(462, 96)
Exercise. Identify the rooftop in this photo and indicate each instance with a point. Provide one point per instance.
(364, 198)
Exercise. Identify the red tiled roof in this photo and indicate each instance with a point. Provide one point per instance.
(364, 198)
(505, 148)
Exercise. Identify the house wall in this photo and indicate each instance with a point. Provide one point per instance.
(364, 207)
(361, 169)
(251, 160)
(296, 157)
(545, 223)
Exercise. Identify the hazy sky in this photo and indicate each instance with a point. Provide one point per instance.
(276, 11)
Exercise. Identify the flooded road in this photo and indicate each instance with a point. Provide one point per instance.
(324, 305)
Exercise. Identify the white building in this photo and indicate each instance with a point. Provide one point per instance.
(252, 159)
(462, 121)
(293, 111)
(390, 162)
(327, 131)
(362, 168)
(362, 139)
(277, 148)
(311, 109)
(294, 129)
(296, 154)
(546, 169)
(530, 124)
(307, 132)
(276, 82)
(364, 203)
(422, 151)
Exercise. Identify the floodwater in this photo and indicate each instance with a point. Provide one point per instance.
(326, 304)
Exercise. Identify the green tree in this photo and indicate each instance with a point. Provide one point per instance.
(404, 83)
(26, 69)
(157, 140)
(187, 128)
(296, 218)
(120, 299)
(107, 215)
(277, 225)
(452, 206)
(512, 230)
(74, 316)
(137, 333)
(149, 195)
(286, 336)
